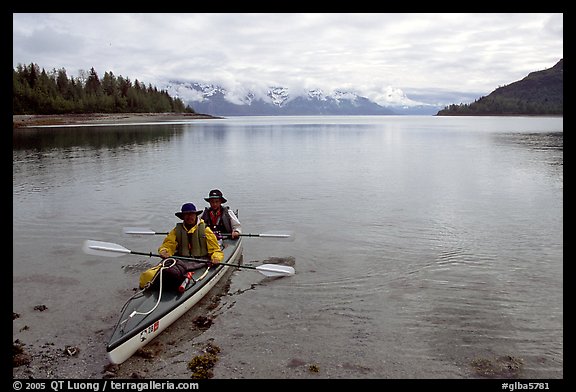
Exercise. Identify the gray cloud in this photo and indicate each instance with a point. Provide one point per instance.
(465, 54)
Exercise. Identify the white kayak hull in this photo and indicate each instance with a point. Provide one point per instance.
(134, 332)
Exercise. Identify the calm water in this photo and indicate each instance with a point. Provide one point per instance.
(424, 246)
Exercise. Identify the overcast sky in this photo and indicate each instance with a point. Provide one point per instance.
(467, 55)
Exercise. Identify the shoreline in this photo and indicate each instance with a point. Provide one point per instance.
(34, 120)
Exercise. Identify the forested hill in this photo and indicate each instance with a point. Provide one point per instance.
(36, 91)
(539, 93)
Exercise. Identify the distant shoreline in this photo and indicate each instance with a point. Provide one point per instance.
(29, 120)
(39, 120)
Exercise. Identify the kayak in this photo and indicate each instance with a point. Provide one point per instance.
(151, 311)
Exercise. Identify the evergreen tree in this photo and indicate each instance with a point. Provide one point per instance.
(35, 91)
(93, 85)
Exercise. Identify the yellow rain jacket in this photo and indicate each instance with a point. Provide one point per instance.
(171, 244)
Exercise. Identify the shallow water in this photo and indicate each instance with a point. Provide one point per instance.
(422, 244)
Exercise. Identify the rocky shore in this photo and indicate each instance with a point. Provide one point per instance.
(27, 120)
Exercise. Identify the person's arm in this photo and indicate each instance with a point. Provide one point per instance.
(168, 247)
(205, 215)
(236, 225)
(216, 254)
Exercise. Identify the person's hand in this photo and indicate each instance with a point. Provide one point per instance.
(214, 261)
(235, 234)
(164, 254)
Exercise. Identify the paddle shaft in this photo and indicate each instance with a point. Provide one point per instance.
(259, 235)
(147, 231)
(192, 259)
(224, 234)
(230, 235)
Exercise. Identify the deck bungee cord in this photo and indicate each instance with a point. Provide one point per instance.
(160, 290)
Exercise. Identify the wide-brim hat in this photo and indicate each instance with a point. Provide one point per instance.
(215, 194)
(187, 208)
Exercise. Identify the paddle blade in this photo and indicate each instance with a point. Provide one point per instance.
(106, 249)
(284, 236)
(276, 270)
(138, 231)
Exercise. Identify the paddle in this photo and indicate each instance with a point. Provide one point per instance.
(109, 249)
(146, 231)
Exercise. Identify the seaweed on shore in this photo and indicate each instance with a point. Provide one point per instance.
(201, 365)
(505, 366)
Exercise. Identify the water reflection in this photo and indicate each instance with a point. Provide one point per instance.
(548, 146)
(217, 132)
(533, 141)
(40, 139)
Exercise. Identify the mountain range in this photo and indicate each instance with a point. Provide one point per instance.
(277, 100)
(540, 92)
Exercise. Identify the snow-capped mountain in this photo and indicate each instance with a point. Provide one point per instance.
(277, 100)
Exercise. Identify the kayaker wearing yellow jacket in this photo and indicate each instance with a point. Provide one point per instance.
(191, 238)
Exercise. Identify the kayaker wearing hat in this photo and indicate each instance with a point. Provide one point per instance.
(221, 219)
(192, 237)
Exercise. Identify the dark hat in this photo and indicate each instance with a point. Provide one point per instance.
(187, 208)
(215, 194)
